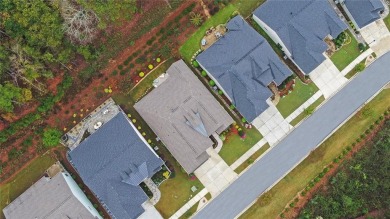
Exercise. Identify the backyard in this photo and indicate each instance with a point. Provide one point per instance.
(234, 146)
(387, 21)
(246, 7)
(301, 93)
(188, 49)
(347, 53)
(24, 179)
(273, 202)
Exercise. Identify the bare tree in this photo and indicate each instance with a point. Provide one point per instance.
(79, 23)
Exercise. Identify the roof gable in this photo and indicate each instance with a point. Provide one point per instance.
(241, 63)
(364, 12)
(112, 162)
(183, 114)
(302, 26)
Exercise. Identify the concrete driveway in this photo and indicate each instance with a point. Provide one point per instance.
(374, 32)
(272, 125)
(215, 174)
(377, 37)
(282, 158)
(327, 78)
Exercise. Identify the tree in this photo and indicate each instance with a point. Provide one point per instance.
(51, 137)
(196, 19)
(9, 95)
(79, 23)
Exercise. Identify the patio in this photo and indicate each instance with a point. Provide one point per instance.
(212, 35)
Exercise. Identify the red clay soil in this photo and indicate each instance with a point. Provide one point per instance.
(289, 86)
(324, 182)
(84, 98)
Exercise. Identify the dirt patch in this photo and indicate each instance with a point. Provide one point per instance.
(324, 182)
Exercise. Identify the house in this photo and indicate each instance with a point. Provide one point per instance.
(362, 12)
(300, 28)
(52, 196)
(184, 114)
(243, 65)
(112, 162)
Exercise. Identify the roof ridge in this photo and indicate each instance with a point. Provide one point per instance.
(296, 14)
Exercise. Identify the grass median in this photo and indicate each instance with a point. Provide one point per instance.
(282, 193)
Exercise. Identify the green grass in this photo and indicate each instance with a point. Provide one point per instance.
(301, 93)
(24, 179)
(175, 192)
(262, 32)
(147, 82)
(354, 71)
(387, 21)
(192, 45)
(246, 7)
(193, 209)
(234, 147)
(346, 54)
(284, 191)
(303, 115)
(252, 158)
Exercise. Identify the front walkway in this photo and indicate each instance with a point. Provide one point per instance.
(272, 125)
(327, 78)
(215, 174)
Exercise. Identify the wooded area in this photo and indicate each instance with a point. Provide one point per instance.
(361, 187)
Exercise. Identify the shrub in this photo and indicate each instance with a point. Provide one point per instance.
(158, 60)
(322, 174)
(150, 66)
(204, 73)
(336, 160)
(377, 121)
(325, 170)
(131, 65)
(292, 204)
(349, 148)
(232, 107)
(296, 199)
(361, 46)
(354, 144)
(120, 67)
(220, 92)
(360, 67)
(123, 72)
(367, 131)
(381, 118)
(51, 137)
(141, 74)
(316, 179)
(362, 136)
(115, 72)
(212, 83)
(134, 120)
(195, 64)
(358, 140)
(303, 193)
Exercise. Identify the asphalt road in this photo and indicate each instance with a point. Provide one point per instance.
(299, 143)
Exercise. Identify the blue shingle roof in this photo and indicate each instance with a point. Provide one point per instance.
(112, 162)
(302, 26)
(364, 12)
(244, 64)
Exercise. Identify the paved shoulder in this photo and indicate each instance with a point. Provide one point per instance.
(298, 144)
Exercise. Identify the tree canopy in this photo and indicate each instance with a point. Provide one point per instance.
(51, 137)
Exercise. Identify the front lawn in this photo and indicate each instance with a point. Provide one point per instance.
(24, 179)
(301, 93)
(387, 21)
(272, 204)
(346, 54)
(175, 192)
(309, 111)
(234, 146)
(252, 158)
(188, 49)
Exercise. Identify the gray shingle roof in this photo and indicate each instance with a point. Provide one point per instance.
(302, 26)
(244, 64)
(183, 114)
(112, 162)
(364, 12)
(47, 198)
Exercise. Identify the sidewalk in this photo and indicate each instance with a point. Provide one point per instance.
(305, 105)
(189, 204)
(360, 58)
